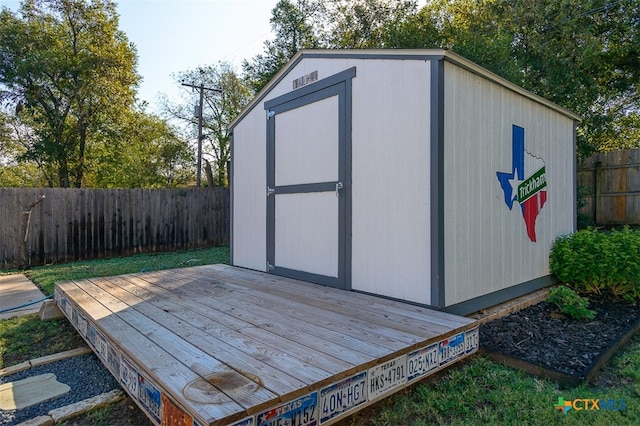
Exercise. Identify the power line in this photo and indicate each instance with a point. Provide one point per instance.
(201, 88)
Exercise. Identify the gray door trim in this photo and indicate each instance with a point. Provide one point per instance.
(307, 187)
(336, 85)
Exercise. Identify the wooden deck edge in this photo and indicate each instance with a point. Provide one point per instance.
(510, 306)
(133, 378)
(322, 403)
(418, 364)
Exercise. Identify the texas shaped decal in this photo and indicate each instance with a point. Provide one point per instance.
(525, 184)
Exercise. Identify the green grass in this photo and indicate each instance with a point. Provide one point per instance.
(482, 392)
(26, 337)
(123, 413)
(46, 276)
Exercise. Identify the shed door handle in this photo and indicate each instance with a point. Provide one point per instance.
(339, 186)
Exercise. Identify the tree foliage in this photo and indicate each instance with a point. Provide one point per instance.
(71, 74)
(294, 26)
(581, 54)
(13, 173)
(309, 24)
(67, 86)
(361, 24)
(144, 152)
(221, 106)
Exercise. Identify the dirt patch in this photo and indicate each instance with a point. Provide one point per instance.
(542, 337)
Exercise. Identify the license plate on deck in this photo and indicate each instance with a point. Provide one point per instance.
(343, 396)
(129, 377)
(244, 422)
(387, 376)
(300, 412)
(451, 348)
(150, 398)
(422, 361)
(471, 340)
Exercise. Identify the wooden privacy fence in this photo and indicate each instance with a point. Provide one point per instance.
(611, 184)
(41, 226)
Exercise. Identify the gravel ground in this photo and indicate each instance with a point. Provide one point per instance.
(85, 375)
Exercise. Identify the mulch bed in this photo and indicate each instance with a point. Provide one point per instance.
(544, 342)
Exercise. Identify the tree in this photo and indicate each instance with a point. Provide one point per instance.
(14, 137)
(309, 24)
(220, 108)
(293, 26)
(362, 24)
(71, 75)
(145, 152)
(583, 55)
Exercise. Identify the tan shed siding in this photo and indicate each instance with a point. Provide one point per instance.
(249, 192)
(390, 173)
(486, 244)
(250, 168)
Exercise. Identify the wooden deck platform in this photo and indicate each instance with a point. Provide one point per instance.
(217, 344)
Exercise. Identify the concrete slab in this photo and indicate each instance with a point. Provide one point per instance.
(49, 311)
(17, 290)
(30, 391)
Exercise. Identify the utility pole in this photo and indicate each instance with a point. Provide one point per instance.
(199, 111)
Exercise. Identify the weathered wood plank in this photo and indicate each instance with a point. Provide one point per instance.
(611, 181)
(227, 308)
(186, 328)
(301, 312)
(159, 364)
(237, 313)
(196, 328)
(369, 306)
(303, 365)
(236, 386)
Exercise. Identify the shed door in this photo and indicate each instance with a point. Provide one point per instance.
(307, 186)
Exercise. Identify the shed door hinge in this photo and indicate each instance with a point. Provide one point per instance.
(270, 114)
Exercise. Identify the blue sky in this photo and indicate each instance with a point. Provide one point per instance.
(178, 35)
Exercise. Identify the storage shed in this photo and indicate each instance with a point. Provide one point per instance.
(409, 174)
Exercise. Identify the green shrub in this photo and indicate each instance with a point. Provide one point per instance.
(592, 261)
(570, 303)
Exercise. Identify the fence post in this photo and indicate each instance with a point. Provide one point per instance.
(27, 222)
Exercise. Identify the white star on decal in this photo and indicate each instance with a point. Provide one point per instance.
(515, 182)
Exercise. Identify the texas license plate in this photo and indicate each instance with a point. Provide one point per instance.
(343, 396)
(300, 412)
(451, 348)
(422, 361)
(387, 376)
